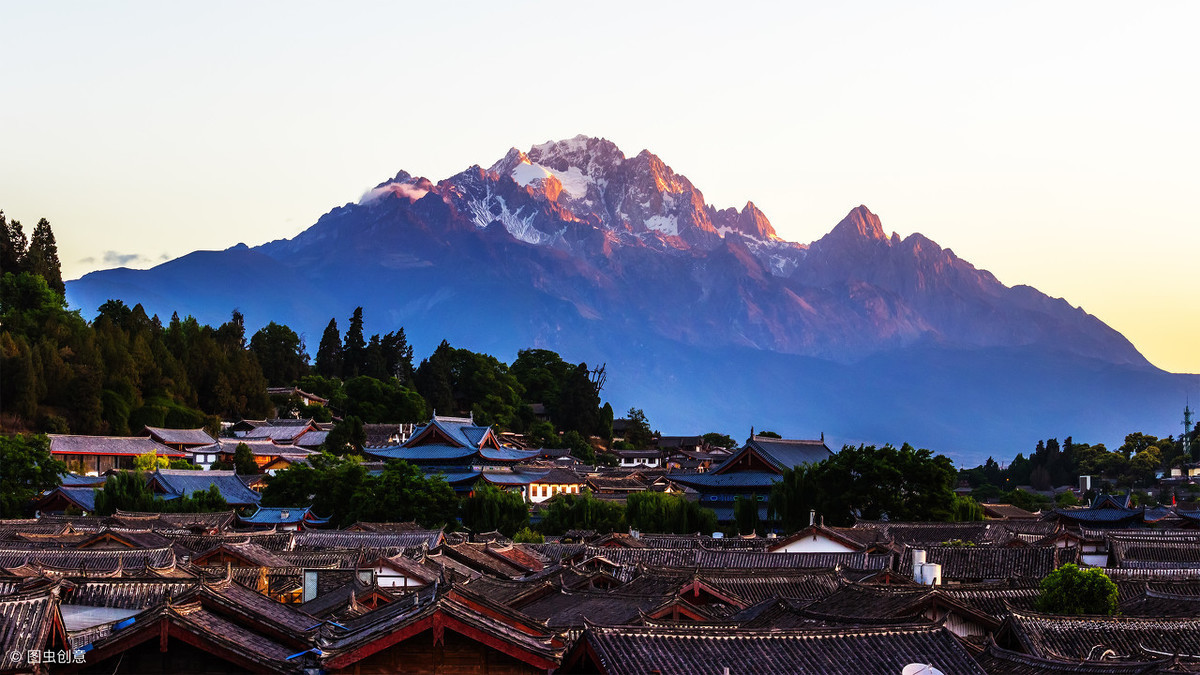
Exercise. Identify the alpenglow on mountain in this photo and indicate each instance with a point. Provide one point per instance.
(706, 317)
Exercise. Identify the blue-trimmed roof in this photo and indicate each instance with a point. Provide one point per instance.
(422, 454)
(457, 476)
(508, 454)
(1105, 515)
(82, 496)
(731, 480)
(462, 431)
(786, 454)
(432, 454)
(275, 515)
(497, 478)
(182, 483)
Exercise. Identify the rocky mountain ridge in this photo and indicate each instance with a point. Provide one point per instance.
(705, 312)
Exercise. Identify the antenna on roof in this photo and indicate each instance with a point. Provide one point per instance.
(1187, 430)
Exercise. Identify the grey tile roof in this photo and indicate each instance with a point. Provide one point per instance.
(979, 563)
(26, 620)
(107, 445)
(856, 651)
(320, 539)
(182, 483)
(180, 436)
(1083, 637)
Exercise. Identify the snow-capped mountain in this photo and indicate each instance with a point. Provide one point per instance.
(573, 246)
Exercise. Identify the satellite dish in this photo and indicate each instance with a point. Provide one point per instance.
(920, 669)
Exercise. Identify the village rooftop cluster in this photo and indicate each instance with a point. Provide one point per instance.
(276, 589)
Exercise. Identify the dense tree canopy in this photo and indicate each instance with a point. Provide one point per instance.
(26, 470)
(868, 482)
(581, 512)
(668, 513)
(489, 508)
(342, 489)
(280, 353)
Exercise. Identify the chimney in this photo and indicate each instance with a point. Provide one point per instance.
(812, 517)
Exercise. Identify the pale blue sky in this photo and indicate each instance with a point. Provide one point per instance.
(1054, 144)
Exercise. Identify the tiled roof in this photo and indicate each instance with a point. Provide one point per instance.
(976, 563)
(524, 638)
(1083, 637)
(1155, 603)
(311, 439)
(82, 496)
(504, 478)
(1100, 516)
(735, 558)
(460, 430)
(857, 651)
(89, 560)
(180, 436)
(995, 659)
(558, 476)
(182, 483)
(252, 553)
(124, 593)
(1006, 511)
(995, 599)
(1156, 553)
(108, 445)
(782, 454)
(215, 520)
(422, 454)
(26, 620)
(734, 479)
(902, 533)
(319, 539)
(280, 515)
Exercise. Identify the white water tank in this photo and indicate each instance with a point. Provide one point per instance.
(918, 556)
(928, 574)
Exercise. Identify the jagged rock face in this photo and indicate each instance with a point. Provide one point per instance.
(704, 315)
(632, 244)
(642, 246)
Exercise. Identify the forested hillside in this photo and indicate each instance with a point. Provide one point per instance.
(126, 369)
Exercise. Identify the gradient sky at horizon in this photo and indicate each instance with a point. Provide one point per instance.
(1054, 144)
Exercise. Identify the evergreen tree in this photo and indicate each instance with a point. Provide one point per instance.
(280, 353)
(638, 433)
(243, 460)
(329, 352)
(43, 257)
(398, 356)
(374, 362)
(13, 246)
(354, 349)
(434, 379)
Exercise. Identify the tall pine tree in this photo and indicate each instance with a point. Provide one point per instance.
(43, 257)
(354, 350)
(12, 246)
(329, 352)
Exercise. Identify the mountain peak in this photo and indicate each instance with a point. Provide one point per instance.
(753, 222)
(858, 225)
